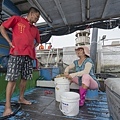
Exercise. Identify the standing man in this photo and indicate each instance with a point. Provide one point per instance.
(22, 52)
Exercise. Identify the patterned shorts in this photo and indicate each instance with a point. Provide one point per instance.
(19, 65)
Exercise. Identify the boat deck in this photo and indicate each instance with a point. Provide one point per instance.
(45, 107)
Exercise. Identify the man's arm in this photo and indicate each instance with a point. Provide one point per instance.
(38, 41)
(5, 35)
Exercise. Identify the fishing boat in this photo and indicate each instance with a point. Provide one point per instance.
(63, 17)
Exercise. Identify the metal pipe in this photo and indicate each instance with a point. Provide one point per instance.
(93, 48)
(88, 9)
(58, 4)
(4, 12)
(40, 7)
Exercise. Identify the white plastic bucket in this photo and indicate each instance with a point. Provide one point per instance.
(61, 86)
(69, 104)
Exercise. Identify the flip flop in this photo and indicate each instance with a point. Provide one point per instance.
(29, 103)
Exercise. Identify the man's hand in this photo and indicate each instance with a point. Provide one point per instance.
(11, 45)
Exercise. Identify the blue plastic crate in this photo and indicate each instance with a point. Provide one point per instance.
(49, 73)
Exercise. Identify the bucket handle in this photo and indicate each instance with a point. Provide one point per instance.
(60, 107)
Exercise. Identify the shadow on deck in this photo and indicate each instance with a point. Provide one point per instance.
(45, 107)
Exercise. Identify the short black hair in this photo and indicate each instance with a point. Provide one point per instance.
(33, 9)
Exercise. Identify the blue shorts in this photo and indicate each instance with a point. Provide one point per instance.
(19, 65)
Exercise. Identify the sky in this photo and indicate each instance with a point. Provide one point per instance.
(69, 40)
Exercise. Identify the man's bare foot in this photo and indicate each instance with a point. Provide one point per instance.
(7, 112)
(24, 101)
